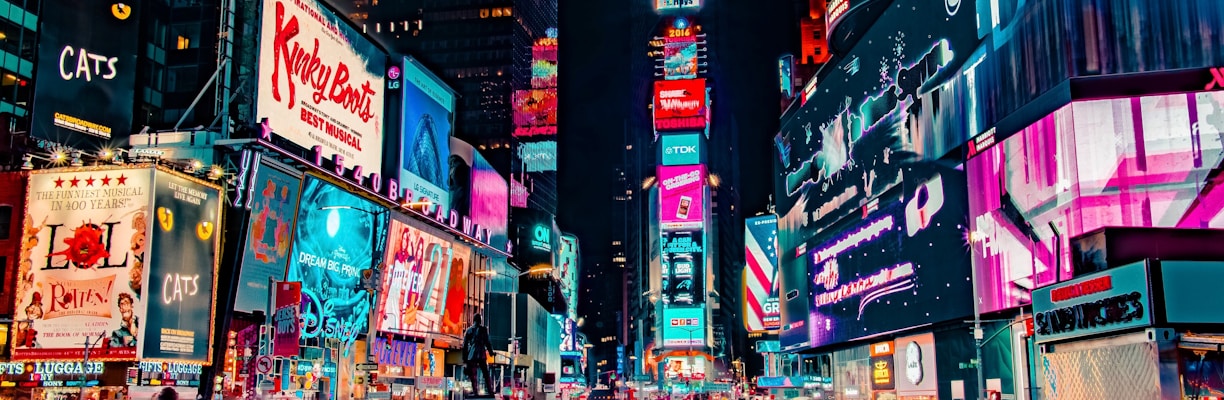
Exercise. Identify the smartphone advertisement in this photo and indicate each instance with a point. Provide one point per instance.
(681, 196)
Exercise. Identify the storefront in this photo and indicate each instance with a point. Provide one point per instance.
(1104, 323)
(914, 367)
(102, 381)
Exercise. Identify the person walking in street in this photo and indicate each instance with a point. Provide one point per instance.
(476, 348)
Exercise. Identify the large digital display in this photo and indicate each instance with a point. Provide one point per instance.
(456, 290)
(418, 263)
(838, 153)
(761, 273)
(334, 242)
(273, 209)
(477, 189)
(680, 58)
(681, 149)
(567, 272)
(1143, 161)
(183, 256)
(321, 82)
(518, 193)
(684, 272)
(682, 196)
(680, 104)
(82, 266)
(535, 107)
(684, 326)
(429, 107)
(83, 97)
(544, 63)
(878, 273)
(538, 156)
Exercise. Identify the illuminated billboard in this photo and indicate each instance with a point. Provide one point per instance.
(538, 156)
(681, 149)
(682, 196)
(680, 104)
(567, 272)
(1088, 165)
(786, 75)
(676, 5)
(183, 255)
(518, 193)
(321, 82)
(544, 63)
(418, 262)
(684, 326)
(85, 232)
(535, 107)
(456, 290)
(680, 58)
(869, 274)
(761, 273)
(683, 268)
(478, 191)
(273, 208)
(84, 93)
(429, 107)
(334, 241)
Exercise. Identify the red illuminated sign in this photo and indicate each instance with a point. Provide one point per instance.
(1091, 286)
(680, 104)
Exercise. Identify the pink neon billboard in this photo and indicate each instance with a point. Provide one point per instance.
(682, 196)
(1144, 161)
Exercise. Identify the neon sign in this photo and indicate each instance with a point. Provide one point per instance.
(542, 238)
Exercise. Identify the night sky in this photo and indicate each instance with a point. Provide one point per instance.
(745, 39)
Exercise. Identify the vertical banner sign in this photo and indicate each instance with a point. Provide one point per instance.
(268, 237)
(285, 319)
(321, 82)
(456, 292)
(84, 93)
(184, 244)
(761, 273)
(82, 265)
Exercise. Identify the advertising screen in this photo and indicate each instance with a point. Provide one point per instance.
(786, 84)
(518, 193)
(761, 273)
(538, 156)
(536, 238)
(681, 149)
(675, 5)
(684, 326)
(1142, 162)
(429, 107)
(321, 82)
(83, 97)
(680, 104)
(183, 250)
(84, 233)
(333, 243)
(682, 195)
(680, 58)
(456, 290)
(535, 107)
(1115, 299)
(478, 191)
(868, 274)
(273, 209)
(683, 265)
(544, 63)
(567, 272)
(839, 153)
(414, 285)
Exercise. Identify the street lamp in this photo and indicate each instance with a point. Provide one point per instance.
(975, 237)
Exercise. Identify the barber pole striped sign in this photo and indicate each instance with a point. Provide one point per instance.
(761, 273)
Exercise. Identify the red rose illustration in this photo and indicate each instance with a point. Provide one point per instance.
(84, 246)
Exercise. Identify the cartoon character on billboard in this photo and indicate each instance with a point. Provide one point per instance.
(140, 225)
(26, 336)
(274, 252)
(128, 330)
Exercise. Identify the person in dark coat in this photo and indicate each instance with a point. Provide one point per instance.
(476, 349)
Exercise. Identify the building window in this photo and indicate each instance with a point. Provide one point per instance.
(185, 36)
(6, 221)
(181, 79)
